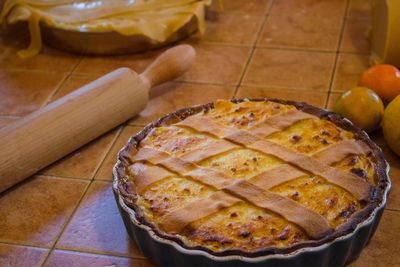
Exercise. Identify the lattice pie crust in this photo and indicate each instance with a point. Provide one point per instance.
(250, 175)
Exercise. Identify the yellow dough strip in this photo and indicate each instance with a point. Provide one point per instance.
(218, 180)
(336, 152)
(286, 172)
(266, 180)
(155, 19)
(279, 122)
(146, 175)
(209, 150)
(313, 223)
(346, 180)
(204, 175)
(177, 220)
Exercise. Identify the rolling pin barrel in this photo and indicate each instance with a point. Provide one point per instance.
(44, 136)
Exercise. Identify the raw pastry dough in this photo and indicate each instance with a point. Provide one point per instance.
(156, 19)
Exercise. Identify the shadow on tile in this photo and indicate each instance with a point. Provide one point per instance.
(97, 225)
(83, 162)
(14, 255)
(175, 95)
(313, 98)
(60, 258)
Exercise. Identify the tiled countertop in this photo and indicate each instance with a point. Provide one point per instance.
(304, 50)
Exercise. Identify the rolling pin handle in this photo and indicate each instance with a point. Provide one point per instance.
(178, 59)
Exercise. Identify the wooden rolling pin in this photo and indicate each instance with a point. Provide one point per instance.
(44, 136)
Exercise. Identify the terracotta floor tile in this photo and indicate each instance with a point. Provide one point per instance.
(334, 8)
(290, 69)
(72, 83)
(383, 250)
(244, 6)
(97, 65)
(348, 71)
(105, 170)
(314, 98)
(4, 121)
(355, 36)
(11, 255)
(22, 92)
(214, 64)
(301, 31)
(48, 59)
(35, 211)
(217, 64)
(60, 258)
(175, 95)
(394, 162)
(332, 99)
(232, 28)
(83, 162)
(97, 225)
(359, 9)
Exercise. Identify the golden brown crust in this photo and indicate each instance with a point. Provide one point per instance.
(374, 199)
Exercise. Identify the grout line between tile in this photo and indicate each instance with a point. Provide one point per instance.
(393, 210)
(64, 226)
(63, 177)
(333, 75)
(313, 50)
(110, 146)
(58, 88)
(354, 53)
(66, 223)
(226, 44)
(31, 70)
(21, 243)
(287, 88)
(253, 48)
(183, 80)
(31, 246)
(96, 252)
(10, 117)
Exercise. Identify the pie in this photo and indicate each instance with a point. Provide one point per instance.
(251, 177)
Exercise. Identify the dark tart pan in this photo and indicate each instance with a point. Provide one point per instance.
(342, 246)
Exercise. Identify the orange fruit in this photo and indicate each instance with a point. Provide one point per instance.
(361, 106)
(391, 126)
(383, 79)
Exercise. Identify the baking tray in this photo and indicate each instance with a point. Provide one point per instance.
(165, 252)
(110, 42)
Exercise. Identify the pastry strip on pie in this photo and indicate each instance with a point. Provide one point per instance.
(266, 180)
(146, 175)
(279, 122)
(177, 220)
(314, 224)
(209, 150)
(336, 152)
(286, 172)
(204, 175)
(348, 181)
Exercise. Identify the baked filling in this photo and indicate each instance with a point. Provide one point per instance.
(249, 176)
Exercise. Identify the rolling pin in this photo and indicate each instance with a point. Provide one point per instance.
(48, 134)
